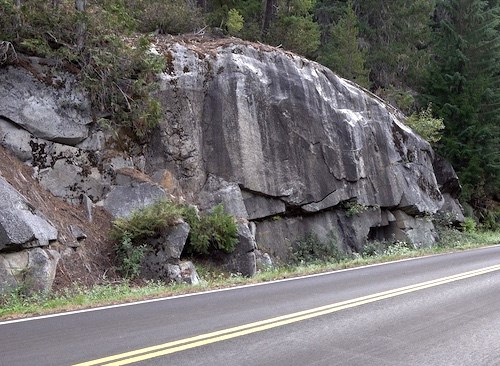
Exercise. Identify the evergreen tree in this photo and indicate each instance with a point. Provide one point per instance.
(397, 34)
(464, 87)
(342, 52)
(294, 27)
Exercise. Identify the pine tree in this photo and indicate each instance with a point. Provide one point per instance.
(464, 88)
(342, 52)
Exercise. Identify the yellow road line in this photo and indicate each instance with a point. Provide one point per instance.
(225, 334)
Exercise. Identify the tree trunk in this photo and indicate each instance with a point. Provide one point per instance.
(270, 7)
(81, 28)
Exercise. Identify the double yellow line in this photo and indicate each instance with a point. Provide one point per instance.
(234, 332)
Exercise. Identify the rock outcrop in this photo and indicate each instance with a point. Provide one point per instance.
(25, 260)
(294, 143)
(287, 147)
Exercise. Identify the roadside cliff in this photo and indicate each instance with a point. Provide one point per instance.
(287, 147)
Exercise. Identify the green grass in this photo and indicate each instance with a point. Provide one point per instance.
(77, 297)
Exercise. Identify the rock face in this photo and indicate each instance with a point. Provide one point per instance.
(23, 262)
(297, 141)
(287, 147)
(53, 110)
(20, 226)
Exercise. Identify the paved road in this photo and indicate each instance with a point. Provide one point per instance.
(440, 310)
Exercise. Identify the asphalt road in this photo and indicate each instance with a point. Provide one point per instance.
(439, 310)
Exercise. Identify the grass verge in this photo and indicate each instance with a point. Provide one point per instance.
(14, 305)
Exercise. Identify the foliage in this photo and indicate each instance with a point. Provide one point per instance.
(311, 249)
(294, 28)
(129, 256)
(342, 53)
(119, 75)
(146, 222)
(211, 231)
(426, 125)
(353, 208)
(469, 225)
(167, 16)
(464, 87)
(386, 248)
(234, 22)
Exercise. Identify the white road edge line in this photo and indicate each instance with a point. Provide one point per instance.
(224, 289)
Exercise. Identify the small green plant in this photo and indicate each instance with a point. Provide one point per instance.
(353, 208)
(167, 16)
(129, 232)
(426, 125)
(311, 249)
(398, 248)
(469, 225)
(212, 231)
(130, 256)
(234, 21)
(375, 248)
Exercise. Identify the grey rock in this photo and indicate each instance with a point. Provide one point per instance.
(418, 231)
(95, 142)
(121, 201)
(165, 250)
(12, 269)
(218, 191)
(56, 114)
(20, 227)
(41, 272)
(446, 177)
(88, 205)
(242, 260)
(259, 206)
(16, 140)
(298, 138)
(452, 210)
(184, 272)
(263, 261)
(77, 232)
(32, 270)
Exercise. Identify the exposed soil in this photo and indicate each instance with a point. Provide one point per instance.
(87, 262)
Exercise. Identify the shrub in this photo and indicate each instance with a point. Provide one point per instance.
(469, 225)
(353, 208)
(146, 222)
(375, 248)
(311, 249)
(129, 256)
(425, 125)
(212, 231)
(234, 21)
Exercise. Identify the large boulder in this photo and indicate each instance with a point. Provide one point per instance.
(450, 187)
(242, 260)
(294, 138)
(30, 271)
(134, 192)
(20, 226)
(162, 259)
(51, 107)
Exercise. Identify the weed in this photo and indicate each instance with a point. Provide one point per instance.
(130, 256)
(353, 208)
(311, 249)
